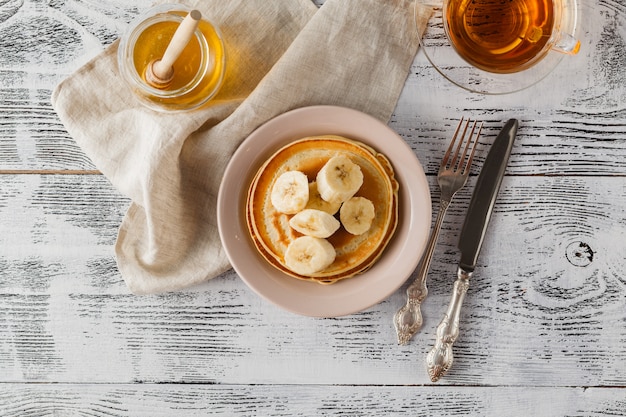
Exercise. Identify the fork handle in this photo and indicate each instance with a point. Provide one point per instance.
(440, 358)
(408, 319)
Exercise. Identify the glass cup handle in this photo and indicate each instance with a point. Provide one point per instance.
(566, 44)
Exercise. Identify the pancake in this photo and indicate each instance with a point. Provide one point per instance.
(270, 230)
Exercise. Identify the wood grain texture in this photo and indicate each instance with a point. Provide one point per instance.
(306, 400)
(543, 327)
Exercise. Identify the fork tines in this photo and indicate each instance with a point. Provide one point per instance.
(456, 162)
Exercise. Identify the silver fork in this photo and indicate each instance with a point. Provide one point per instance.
(453, 174)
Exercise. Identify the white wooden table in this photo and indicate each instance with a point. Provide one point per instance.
(543, 326)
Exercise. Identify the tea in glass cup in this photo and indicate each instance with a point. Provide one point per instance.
(497, 46)
(503, 36)
(197, 72)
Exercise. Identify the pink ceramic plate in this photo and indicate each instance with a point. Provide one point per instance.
(351, 295)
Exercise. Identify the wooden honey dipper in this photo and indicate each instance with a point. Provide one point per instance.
(160, 72)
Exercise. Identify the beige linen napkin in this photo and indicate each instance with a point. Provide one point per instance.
(283, 54)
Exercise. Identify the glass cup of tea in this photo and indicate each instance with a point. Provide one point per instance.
(497, 46)
(198, 70)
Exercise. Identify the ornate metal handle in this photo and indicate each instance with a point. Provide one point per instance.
(440, 358)
(408, 320)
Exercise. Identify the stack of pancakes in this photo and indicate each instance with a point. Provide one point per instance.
(270, 229)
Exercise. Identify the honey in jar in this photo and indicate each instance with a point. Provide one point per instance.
(198, 71)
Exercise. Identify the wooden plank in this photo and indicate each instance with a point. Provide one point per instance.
(574, 122)
(32, 138)
(305, 400)
(533, 316)
(563, 142)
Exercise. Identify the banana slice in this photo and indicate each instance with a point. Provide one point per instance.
(339, 179)
(290, 192)
(357, 215)
(316, 223)
(318, 203)
(308, 255)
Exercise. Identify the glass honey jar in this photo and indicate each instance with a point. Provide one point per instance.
(198, 72)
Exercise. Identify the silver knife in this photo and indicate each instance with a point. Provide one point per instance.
(440, 358)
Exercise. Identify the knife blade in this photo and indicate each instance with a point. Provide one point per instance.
(471, 238)
(484, 196)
